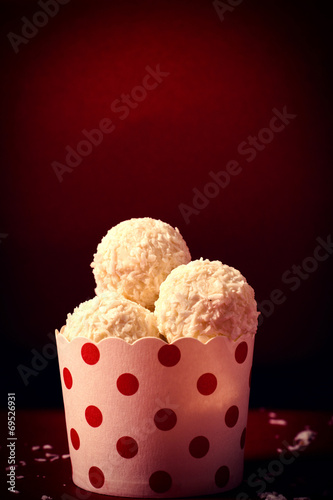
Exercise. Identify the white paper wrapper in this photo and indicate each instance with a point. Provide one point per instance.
(152, 419)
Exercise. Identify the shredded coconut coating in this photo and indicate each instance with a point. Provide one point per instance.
(204, 299)
(110, 315)
(136, 256)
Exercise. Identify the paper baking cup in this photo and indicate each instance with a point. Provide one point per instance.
(151, 419)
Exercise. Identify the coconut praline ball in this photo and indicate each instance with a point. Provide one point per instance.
(110, 315)
(136, 256)
(204, 299)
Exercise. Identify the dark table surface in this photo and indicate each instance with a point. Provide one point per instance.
(43, 469)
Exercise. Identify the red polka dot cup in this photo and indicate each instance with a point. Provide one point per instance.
(151, 419)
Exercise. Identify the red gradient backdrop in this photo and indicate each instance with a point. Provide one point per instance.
(225, 77)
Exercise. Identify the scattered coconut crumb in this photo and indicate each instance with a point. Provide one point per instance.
(272, 496)
(36, 447)
(47, 447)
(45, 497)
(277, 421)
(65, 456)
(40, 459)
(303, 439)
(19, 477)
(23, 463)
(272, 414)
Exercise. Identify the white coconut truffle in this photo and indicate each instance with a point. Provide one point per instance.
(110, 315)
(204, 299)
(136, 256)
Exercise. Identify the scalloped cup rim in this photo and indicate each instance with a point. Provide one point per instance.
(245, 336)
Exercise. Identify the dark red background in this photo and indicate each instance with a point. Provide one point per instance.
(225, 79)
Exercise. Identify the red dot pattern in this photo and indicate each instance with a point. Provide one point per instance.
(160, 481)
(96, 477)
(93, 416)
(127, 384)
(75, 440)
(68, 379)
(231, 417)
(165, 419)
(127, 447)
(199, 447)
(207, 384)
(169, 355)
(222, 476)
(241, 352)
(90, 353)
